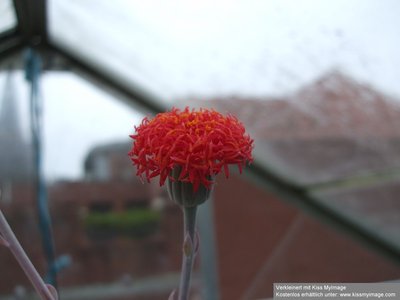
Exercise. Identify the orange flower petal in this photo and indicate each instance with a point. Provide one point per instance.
(202, 143)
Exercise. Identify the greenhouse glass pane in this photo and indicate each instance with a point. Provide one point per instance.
(15, 156)
(331, 129)
(89, 180)
(79, 117)
(375, 208)
(319, 96)
(221, 48)
(8, 18)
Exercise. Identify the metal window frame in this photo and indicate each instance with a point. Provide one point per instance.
(32, 31)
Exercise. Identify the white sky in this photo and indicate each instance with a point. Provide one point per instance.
(8, 18)
(177, 49)
(76, 117)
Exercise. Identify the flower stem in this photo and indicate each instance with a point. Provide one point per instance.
(23, 260)
(189, 219)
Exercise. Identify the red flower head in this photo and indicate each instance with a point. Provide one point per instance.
(201, 143)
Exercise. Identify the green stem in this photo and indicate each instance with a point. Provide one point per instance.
(189, 219)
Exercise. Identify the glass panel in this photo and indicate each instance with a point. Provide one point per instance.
(331, 129)
(269, 241)
(253, 49)
(376, 208)
(15, 156)
(16, 168)
(8, 18)
(316, 84)
(311, 86)
(79, 120)
(108, 226)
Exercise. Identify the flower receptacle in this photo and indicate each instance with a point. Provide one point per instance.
(183, 192)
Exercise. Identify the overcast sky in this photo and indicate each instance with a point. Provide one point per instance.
(177, 49)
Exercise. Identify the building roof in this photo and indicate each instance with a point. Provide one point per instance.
(331, 129)
(334, 105)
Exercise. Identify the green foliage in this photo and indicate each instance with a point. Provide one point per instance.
(136, 223)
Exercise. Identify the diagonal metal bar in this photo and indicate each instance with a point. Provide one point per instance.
(102, 78)
(9, 45)
(7, 34)
(261, 174)
(357, 181)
